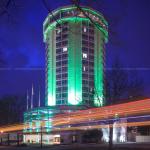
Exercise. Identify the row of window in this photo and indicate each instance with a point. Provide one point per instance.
(60, 102)
(61, 82)
(87, 43)
(61, 44)
(61, 89)
(87, 37)
(88, 62)
(61, 37)
(88, 69)
(63, 95)
(62, 56)
(64, 69)
(86, 56)
(61, 50)
(61, 62)
(87, 89)
(87, 30)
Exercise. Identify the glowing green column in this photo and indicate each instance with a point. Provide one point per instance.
(98, 69)
(74, 63)
(51, 69)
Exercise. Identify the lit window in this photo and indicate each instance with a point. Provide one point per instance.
(83, 68)
(84, 29)
(58, 31)
(84, 55)
(64, 49)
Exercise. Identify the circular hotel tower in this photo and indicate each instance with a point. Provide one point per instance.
(75, 46)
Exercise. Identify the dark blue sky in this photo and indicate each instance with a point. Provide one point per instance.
(22, 47)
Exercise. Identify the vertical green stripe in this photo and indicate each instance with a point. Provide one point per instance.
(51, 70)
(98, 68)
(74, 63)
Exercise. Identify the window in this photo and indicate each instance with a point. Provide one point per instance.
(91, 38)
(64, 49)
(91, 44)
(58, 44)
(64, 56)
(85, 62)
(91, 31)
(84, 29)
(84, 55)
(58, 82)
(64, 89)
(64, 75)
(58, 50)
(58, 63)
(64, 62)
(58, 95)
(64, 43)
(64, 95)
(58, 30)
(64, 36)
(58, 76)
(85, 82)
(58, 90)
(64, 69)
(84, 36)
(58, 70)
(58, 38)
(84, 49)
(65, 29)
(84, 68)
(58, 102)
(91, 57)
(64, 82)
(85, 43)
(85, 75)
(58, 57)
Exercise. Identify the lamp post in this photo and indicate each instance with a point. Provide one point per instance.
(17, 139)
(8, 141)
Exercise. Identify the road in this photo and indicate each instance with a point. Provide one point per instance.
(129, 146)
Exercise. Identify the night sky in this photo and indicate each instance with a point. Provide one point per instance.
(22, 49)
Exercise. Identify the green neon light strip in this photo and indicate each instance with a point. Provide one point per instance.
(98, 69)
(74, 64)
(51, 70)
(94, 12)
(53, 25)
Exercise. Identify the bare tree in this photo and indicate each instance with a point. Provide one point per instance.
(135, 87)
(116, 82)
(6, 7)
(122, 84)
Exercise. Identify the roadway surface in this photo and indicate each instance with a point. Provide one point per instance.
(128, 146)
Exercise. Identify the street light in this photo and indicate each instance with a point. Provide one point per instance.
(2, 131)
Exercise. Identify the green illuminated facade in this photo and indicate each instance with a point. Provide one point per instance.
(75, 57)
